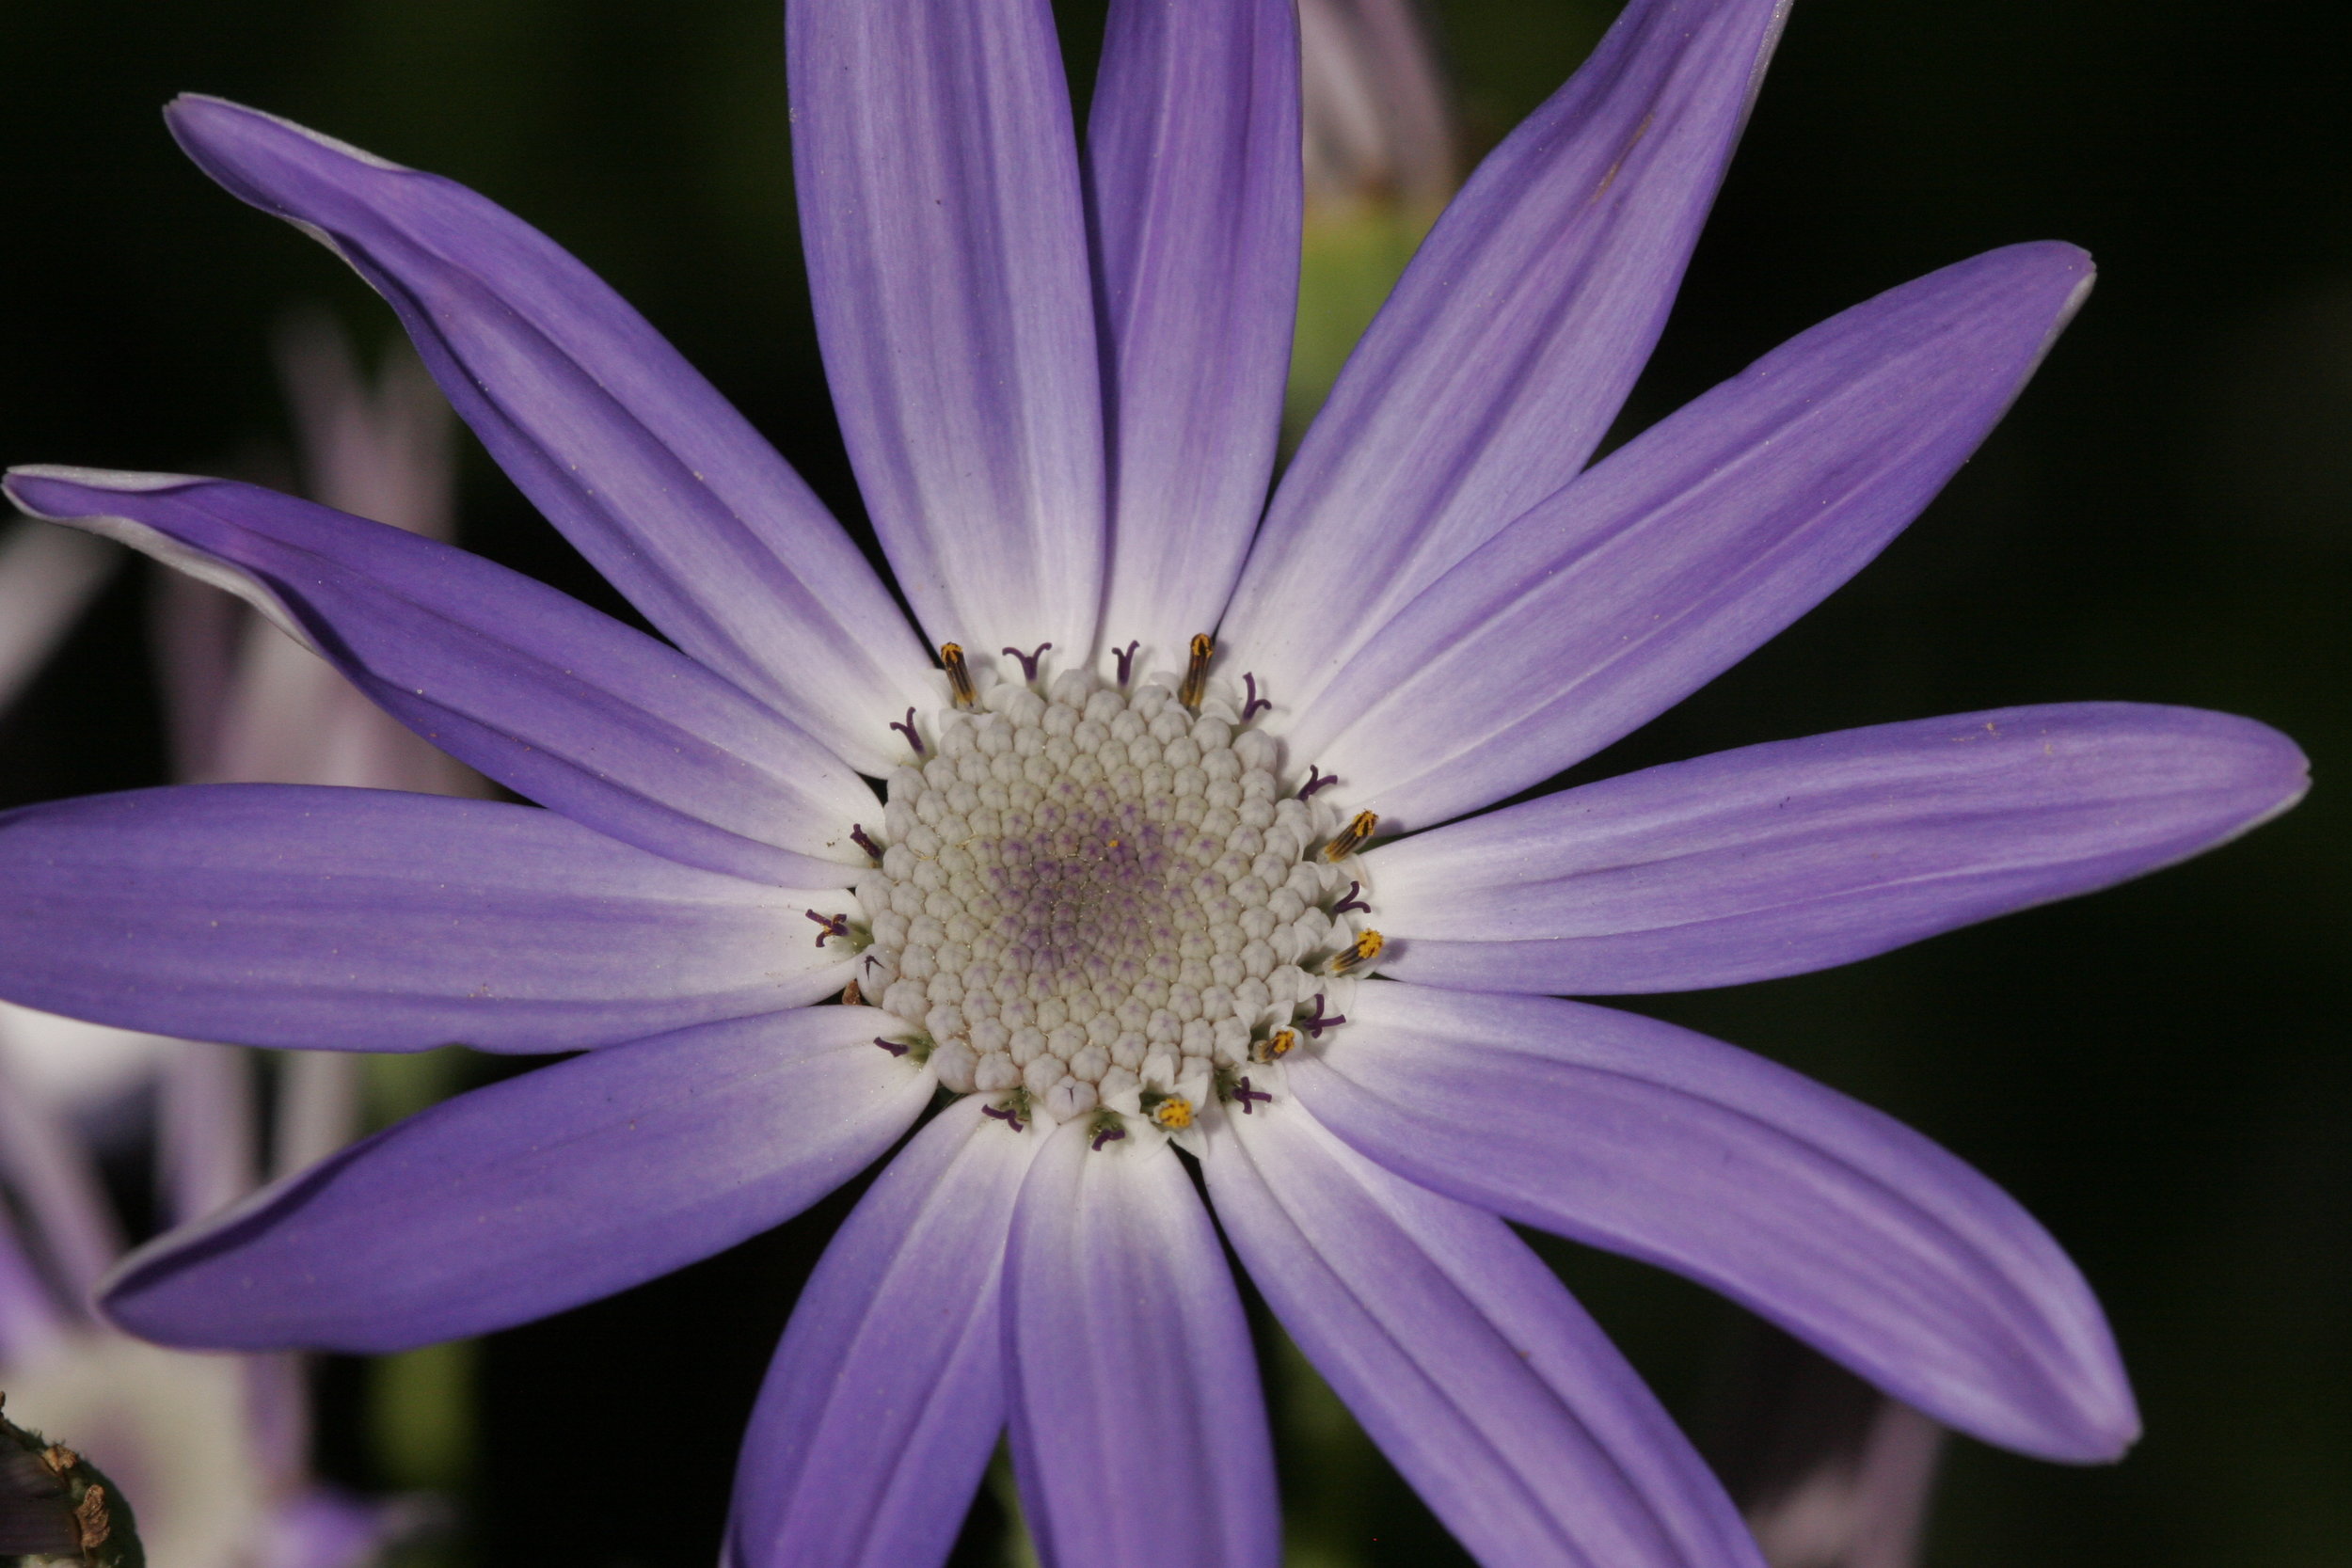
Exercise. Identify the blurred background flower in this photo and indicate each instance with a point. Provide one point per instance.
(1377, 136)
(214, 1452)
(2160, 1074)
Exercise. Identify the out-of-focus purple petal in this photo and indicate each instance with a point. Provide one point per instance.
(1828, 1470)
(1778, 859)
(1133, 1389)
(320, 1528)
(60, 1189)
(1842, 1225)
(1468, 1362)
(938, 183)
(383, 449)
(536, 1194)
(30, 1321)
(318, 1109)
(550, 698)
(47, 577)
(888, 1392)
(1684, 549)
(290, 718)
(1193, 180)
(205, 1142)
(1496, 367)
(365, 920)
(1375, 126)
(277, 1403)
(73, 1065)
(661, 484)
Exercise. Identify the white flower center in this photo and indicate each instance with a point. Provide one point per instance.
(1104, 899)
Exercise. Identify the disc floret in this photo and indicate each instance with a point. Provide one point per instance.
(1100, 897)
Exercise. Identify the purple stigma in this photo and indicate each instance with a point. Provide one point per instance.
(1108, 1135)
(1250, 707)
(834, 925)
(1126, 658)
(1028, 661)
(1351, 901)
(907, 729)
(857, 836)
(1321, 1022)
(1316, 779)
(1004, 1114)
(1243, 1092)
(891, 1046)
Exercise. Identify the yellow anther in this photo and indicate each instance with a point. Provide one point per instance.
(1197, 673)
(1172, 1115)
(1365, 948)
(958, 675)
(1352, 837)
(1276, 1046)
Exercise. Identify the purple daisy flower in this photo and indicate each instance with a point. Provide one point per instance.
(1129, 892)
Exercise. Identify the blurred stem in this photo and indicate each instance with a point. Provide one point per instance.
(422, 1418)
(401, 1085)
(1350, 257)
(1020, 1551)
(1329, 1466)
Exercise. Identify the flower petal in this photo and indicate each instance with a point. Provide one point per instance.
(938, 182)
(536, 1194)
(1139, 1432)
(47, 577)
(642, 465)
(888, 1392)
(1684, 549)
(550, 698)
(1510, 342)
(1193, 175)
(365, 920)
(1794, 856)
(1842, 1225)
(1468, 1362)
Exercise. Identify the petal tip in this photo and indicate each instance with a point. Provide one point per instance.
(27, 483)
(224, 136)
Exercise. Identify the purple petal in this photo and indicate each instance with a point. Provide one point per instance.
(1774, 859)
(1468, 1362)
(536, 1194)
(938, 183)
(47, 577)
(1844, 1226)
(1684, 549)
(1193, 177)
(1496, 367)
(552, 699)
(1139, 1432)
(365, 920)
(645, 467)
(888, 1392)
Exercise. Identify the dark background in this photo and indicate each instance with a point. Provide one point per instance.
(2160, 1072)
